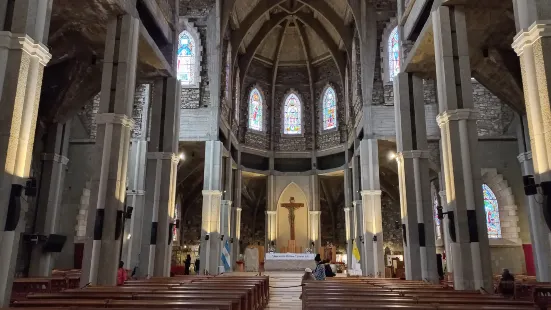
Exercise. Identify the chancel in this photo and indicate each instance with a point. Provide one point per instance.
(222, 145)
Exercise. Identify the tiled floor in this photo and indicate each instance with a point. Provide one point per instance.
(284, 289)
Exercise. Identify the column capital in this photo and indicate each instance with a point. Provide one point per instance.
(523, 157)
(356, 203)
(442, 194)
(238, 209)
(271, 212)
(22, 41)
(314, 212)
(112, 118)
(211, 193)
(456, 115)
(347, 209)
(163, 156)
(55, 157)
(412, 154)
(538, 30)
(371, 192)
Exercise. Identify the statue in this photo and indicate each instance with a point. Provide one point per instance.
(292, 206)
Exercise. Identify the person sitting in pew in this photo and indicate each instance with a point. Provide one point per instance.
(328, 271)
(506, 284)
(122, 276)
(319, 272)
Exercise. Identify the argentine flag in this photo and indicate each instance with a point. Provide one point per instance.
(225, 256)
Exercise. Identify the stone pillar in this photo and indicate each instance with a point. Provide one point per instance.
(349, 238)
(315, 227)
(457, 121)
(372, 222)
(413, 176)
(135, 198)
(236, 229)
(24, 58)
(160, 185)
(225, 229)
(104, 229)
(539, 232)
(271, 204)
(135, 194)
(53, 176)
(212, 199)
(271, 227)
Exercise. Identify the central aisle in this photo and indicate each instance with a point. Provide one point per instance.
(281, 296)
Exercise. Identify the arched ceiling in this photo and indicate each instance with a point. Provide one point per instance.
(302, 30)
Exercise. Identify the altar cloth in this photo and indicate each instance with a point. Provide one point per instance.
(288, 261)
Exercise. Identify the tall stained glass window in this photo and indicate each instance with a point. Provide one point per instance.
(393, 54)
(292, 115)
(492, 212)
(437, 221)
(329, 109)
(255, 110)
(186, 58)
(228, 74)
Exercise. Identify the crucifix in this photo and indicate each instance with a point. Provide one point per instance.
(292, 206)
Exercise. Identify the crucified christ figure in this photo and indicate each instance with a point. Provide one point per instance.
(292, 206)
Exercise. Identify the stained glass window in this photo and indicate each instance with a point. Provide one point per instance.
(186, 58)
(255, 110)
(292, 118)
(393, 54)
(437, 222)
(329, 109)
(492, 212)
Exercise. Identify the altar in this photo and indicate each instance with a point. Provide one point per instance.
(289, 261)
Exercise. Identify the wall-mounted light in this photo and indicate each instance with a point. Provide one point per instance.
(182, 156)
(221, 237)
(391, 155)
(128, 237)
(231, 240)
(207, 237)
(374, 238)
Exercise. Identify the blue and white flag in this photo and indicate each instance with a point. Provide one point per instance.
(225, 256)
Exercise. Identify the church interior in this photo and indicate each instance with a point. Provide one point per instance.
(202, 154)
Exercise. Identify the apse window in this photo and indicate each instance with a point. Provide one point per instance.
(393, 54)
(255, 110)
(186, 59)
(329, 109)
(292, 115)
(492, 212)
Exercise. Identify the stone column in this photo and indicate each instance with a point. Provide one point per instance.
(236, 229)
(315, 233)
(271, 204)
(104, 227)
(413, 176)
(225, 220)
(24, 57)
(135, 194)
(271, 227)
(457, 121)
(349, 239)
(53, 176)
(212, 199)
(372, 222)
(135, 198)
(160, 185)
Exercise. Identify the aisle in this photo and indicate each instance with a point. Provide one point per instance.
(281, 298)
(284, 298)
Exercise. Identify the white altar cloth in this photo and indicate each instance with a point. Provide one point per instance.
(288, 261)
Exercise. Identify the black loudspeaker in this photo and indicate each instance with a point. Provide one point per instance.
(14, 208)
(547, 210)
(439, 266)
(54, 243)
(530, 187)
(170, 232)
(451, 226)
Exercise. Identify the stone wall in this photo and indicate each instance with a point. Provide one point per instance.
(494, 116)
(392, 237)
(196, 8)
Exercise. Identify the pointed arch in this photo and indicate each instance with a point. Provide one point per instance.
(256, 110)
(393, 53)
(329, 108)
(292, 114)
(491, 207)
(188, 55)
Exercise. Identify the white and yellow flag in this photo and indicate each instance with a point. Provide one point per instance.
(355, 251)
